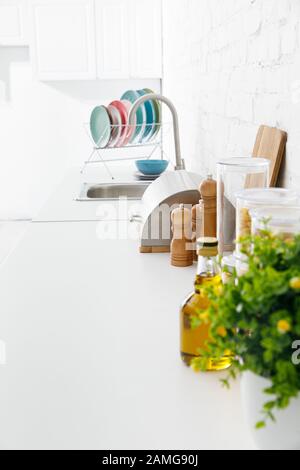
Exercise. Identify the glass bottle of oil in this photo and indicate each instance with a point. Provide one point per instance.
(194, 338)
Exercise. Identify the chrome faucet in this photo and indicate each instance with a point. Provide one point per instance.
(180, 165)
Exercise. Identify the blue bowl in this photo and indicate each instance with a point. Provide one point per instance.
(152, 167)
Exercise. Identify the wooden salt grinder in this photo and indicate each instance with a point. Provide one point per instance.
(181, 245)
(208, 190)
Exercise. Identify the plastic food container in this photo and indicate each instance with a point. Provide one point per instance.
(282, 221)
(234, 175)
(250, 199)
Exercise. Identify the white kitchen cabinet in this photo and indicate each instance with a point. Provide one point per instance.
(13, 22)
(112, 38)
(146, 38)
(63, 39)
(129, 38)
(88, 39)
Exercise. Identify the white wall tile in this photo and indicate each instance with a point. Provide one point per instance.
(229, 67)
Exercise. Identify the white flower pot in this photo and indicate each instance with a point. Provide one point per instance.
(284, 434)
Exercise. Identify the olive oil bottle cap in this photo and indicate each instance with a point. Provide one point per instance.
(207, 246)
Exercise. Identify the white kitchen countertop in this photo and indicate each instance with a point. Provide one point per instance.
(91, 333)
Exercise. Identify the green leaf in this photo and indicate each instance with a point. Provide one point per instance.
(269, 405)
(225, 383)
(260, 425)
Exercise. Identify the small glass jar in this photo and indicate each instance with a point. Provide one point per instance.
(235, 263)
(281, 221)
(235, 174)
(250, 199)
(227, 267)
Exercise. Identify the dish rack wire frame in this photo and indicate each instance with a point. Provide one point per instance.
(97, 155)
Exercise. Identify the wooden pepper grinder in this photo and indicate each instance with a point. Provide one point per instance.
(181, 245)
(208, 204)
(204, 214)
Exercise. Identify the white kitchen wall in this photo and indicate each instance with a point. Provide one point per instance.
(229, 66)
(41, 129)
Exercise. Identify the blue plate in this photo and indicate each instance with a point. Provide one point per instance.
(150, 116)
(152, 167)
(133, 96)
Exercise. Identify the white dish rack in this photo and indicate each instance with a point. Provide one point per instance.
(142, 149)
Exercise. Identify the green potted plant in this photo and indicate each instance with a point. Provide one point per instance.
(257, 317)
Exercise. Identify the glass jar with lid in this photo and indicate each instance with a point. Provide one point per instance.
(282, 221)
(235, 174)
(250, 199)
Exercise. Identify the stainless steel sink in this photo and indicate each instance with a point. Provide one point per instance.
(112, 191)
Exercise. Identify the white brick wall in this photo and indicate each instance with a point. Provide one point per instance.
(229, 66)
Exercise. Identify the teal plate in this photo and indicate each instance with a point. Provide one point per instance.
(133, 96)
(157, 114)
(150, 116)
(100, 126)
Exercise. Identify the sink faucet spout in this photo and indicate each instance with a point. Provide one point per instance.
(153, 96)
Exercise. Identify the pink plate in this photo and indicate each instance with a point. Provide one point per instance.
(116, 129)
(123, 113)
(130, 129)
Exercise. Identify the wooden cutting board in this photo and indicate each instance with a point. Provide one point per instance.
(271, 143)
